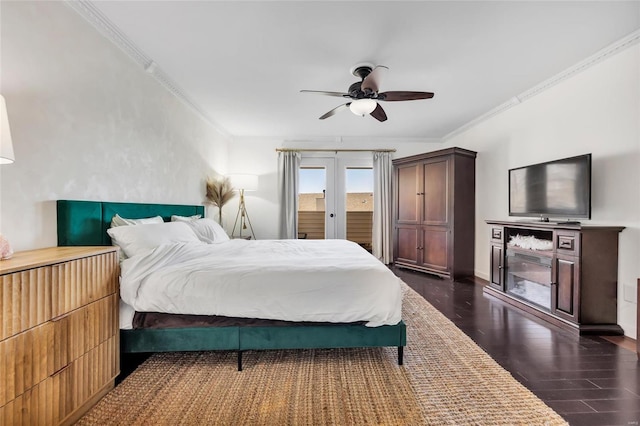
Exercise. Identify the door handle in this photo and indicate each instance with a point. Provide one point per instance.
(331, 215)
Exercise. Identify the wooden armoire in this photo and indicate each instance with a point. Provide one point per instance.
(434, 212)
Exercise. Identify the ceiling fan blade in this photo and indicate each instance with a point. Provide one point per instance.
(404, 96)
(379, 113)
(335, 110)
(373, 80)
(320, 92)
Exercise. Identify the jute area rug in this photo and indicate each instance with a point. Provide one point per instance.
(446, 380)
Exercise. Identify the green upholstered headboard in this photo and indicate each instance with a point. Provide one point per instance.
(85, 223)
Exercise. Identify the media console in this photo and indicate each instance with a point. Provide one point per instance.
(565, 273)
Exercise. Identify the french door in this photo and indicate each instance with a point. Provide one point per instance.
(336, 198)
(316, 199)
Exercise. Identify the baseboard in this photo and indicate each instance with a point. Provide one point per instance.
(622, 341)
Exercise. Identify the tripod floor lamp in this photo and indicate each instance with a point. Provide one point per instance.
(243, 183)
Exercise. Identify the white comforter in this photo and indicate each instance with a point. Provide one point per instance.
(291, 280)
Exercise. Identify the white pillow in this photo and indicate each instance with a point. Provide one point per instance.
(175, 218)
(208, 231)
(118, 220)
(141, 238)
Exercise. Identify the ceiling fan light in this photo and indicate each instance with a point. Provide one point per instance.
(363, 107)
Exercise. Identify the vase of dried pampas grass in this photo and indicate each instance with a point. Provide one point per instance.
(219, 192)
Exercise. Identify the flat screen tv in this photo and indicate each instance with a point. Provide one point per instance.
(555, 189)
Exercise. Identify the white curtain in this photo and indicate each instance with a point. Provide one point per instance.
(382, 187)
(288, 165)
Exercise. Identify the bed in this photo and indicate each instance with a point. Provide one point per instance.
(87, 222)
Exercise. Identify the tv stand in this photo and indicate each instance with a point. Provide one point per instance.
(572, 283)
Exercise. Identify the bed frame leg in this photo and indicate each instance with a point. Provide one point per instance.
(400, 355)
(239, 360)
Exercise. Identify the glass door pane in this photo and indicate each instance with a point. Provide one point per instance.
(529, 277)
(359, 205)
(312, 203)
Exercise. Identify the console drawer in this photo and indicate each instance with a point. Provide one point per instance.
(567, 242)
(496, 234)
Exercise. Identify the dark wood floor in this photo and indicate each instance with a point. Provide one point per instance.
(587, 380)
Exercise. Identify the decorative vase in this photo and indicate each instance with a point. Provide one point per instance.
(5, 248)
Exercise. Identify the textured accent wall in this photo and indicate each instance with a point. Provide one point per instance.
(89, 123)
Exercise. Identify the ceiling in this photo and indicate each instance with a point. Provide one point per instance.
(243, 64)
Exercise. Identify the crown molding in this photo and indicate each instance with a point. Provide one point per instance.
(100, 22)
(357, 140)
(331, 142)
(592, 60)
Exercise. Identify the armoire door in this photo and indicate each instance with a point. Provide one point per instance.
(435, 216)
(435, 196)
(408, 245)
(435, 248)
(409, 189)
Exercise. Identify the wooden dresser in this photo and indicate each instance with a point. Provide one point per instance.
(59, 334)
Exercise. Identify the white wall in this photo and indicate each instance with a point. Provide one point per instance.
(259, 156)
(88, 123)
(596, 111)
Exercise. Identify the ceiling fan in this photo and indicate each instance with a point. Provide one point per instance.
(365, 94)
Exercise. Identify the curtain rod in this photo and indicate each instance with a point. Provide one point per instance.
(333, 150)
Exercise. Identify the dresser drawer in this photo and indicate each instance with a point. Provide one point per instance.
(80, 282)
(55, 399)
(30, 357)
(31, 348)
(32, 297)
